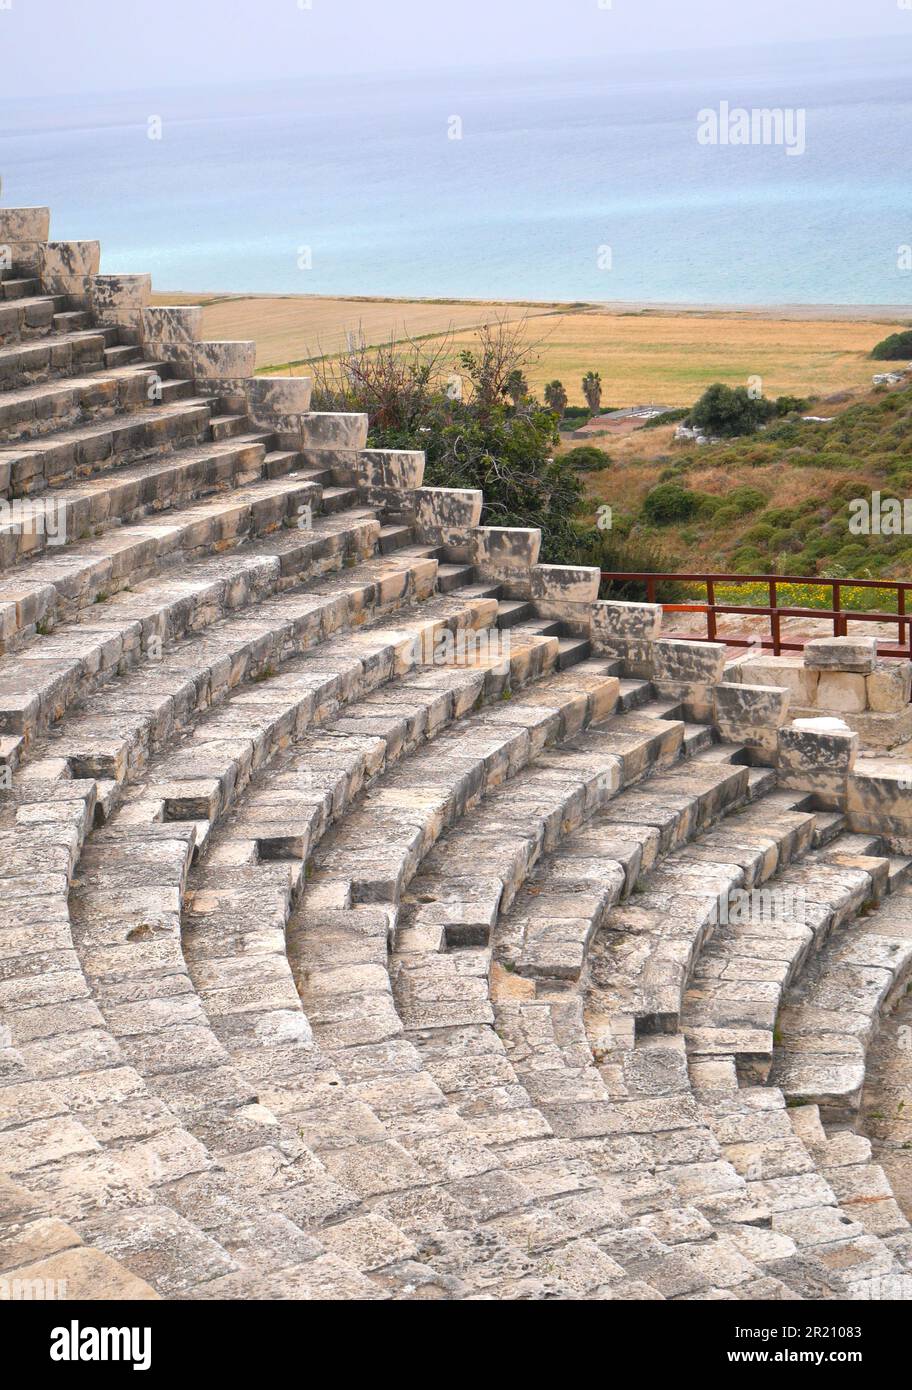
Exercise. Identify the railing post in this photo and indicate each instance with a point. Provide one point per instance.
(839, 622)
(775, 632)
(901, 609)
(711, 610)
(650, 589)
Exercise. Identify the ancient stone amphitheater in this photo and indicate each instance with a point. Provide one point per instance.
(366, 886)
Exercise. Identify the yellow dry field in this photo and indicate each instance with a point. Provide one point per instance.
(292, 329)
(665, 356)
(670, 359)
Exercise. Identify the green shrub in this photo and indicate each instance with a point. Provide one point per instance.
(586, 458)
(670, 502)
(894, 348)
(746, 500)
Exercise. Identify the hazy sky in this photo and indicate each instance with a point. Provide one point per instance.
(53, 46)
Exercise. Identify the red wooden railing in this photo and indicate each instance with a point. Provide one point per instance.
(776, 611)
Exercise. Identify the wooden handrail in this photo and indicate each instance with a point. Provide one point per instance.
(839, 615)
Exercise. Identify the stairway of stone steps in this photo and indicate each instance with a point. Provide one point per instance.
(202, 685)
(545, 936)
(564, 1133)
(861, 967)
(729, 1022)
(336, 968)
(228, 1283)
(43, 1258)
(393, 1132)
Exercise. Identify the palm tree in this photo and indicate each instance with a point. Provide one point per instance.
(556, 398)
(592, 390)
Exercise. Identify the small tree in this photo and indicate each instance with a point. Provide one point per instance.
(727, 411)
(592, 390)
(556, 398)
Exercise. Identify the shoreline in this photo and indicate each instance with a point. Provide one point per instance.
(619, 307)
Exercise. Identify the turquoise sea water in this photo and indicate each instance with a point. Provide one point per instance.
(359, 178)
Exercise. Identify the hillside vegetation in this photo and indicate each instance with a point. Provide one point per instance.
(777, 501)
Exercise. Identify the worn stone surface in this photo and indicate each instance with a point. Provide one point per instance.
(348, 953)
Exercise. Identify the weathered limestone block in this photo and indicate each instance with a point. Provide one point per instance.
(332, 441)
(169, 331)
(22, 233)
(506, 555)
(857, 654)
(67, 267)
(223, 359)
(565, 583)
(625, 621)
(879, 799)
(788, 670)
(751, 714)
(120, 299)
(843, 692)
(328, 430)
(697, 662)
(688, 671)
(394, 470)
(627, 631)
(818, 755)
(446, 515)
(279, 402)
(24, 224)
(889, 686)
(566, 593)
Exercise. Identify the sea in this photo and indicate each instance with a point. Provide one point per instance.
(575, 182)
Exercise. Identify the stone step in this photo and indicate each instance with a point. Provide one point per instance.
(340, 499)
(280, 462)
(60, 517)
(829, 825)
(27, 318)
(571, 650)
(122, 355)
(71, 321)
(34, 361)
(11, 288)
(28, 412)
(393, 538)
(138, 629)
(453, 577)
(228, 426)
(635, 693)
(33, 465)
(513, 611)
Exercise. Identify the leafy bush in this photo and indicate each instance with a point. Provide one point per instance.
(746, 499)
(670, 502)
(587, 458)
(894, 348)
(790, 405)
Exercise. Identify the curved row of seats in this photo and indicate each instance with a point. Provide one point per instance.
(331, 972)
